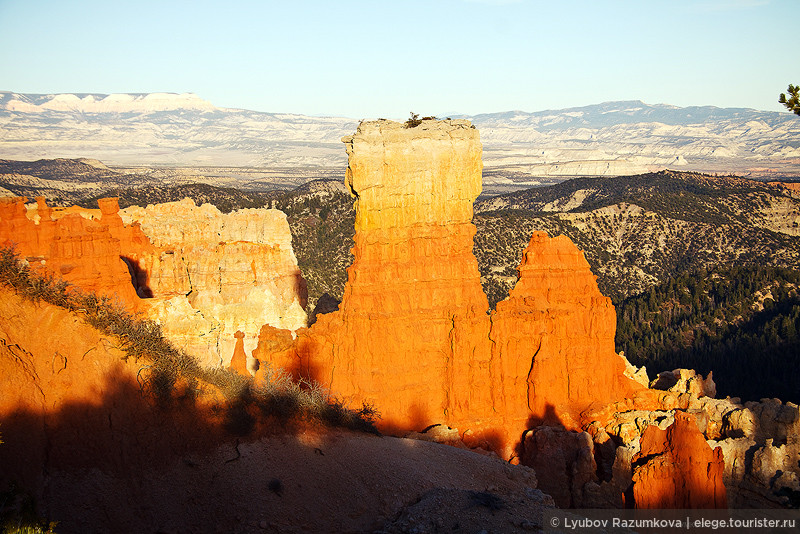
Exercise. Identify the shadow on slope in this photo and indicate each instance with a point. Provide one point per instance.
(125, 462)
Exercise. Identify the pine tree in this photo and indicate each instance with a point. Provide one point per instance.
(793, 102)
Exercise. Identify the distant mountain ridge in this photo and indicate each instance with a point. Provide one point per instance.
(521, 149)
(104, 103)
(627, 112)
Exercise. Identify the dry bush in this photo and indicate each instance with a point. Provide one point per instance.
(142, 338)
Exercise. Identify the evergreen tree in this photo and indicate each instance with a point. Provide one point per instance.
(793, 102)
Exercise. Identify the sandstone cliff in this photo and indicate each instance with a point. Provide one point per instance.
(413, 300)
(556, 331)
(677, 469)
(211, 275)
(412, 334)
(200, 274)
(81, 251)
(85, 442)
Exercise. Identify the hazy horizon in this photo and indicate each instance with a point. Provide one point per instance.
(440, 115)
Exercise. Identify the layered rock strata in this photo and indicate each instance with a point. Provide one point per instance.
(212, 275)
(648, 451)
(413, 335)
(202, 275)
(81, 251)
(554, 337)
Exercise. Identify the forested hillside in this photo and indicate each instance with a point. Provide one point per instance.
(638, 231)
(742, 323)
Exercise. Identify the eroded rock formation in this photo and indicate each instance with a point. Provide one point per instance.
(212, 274)
(758, 441)
(81, 251)
(675, 468)
(537, 380)
(95, 452)
(202, 275)
(413, 335)
(554, 335)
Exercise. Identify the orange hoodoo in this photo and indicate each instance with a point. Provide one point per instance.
(555, 337)
(679, 469)
(412, 335)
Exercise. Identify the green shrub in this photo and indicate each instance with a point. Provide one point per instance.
(415, 121)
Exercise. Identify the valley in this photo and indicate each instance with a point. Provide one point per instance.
(520, 149)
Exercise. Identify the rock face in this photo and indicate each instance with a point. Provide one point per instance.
(555, 336)
(537, 380)
(759, 443)
(412, 335)
(52, 390)
(212, 274)
(202, 275)
(83, 252)
(675, 468)
(413, 308)
(564, 462)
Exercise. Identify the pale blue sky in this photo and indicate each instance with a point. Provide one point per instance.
(368, 59)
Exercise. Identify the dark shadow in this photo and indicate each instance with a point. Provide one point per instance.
(140, 278)
(554, 452)
(124, 430)
(305, 368)
(549, 418)
(418, 417)
(325, 304)
(301, 289)
(132, 429)
(491, 439)
(665, 381)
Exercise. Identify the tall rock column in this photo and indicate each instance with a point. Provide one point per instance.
(412, 331)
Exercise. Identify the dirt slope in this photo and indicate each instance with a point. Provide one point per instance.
(98, 455)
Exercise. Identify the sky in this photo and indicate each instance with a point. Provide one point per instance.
(370, 59)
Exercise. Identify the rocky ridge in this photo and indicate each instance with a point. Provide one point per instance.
(639, 230)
